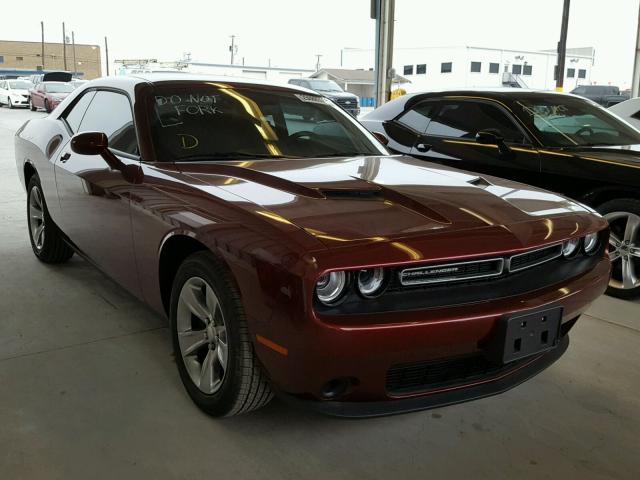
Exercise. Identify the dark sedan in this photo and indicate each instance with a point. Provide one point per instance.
(560, 142)
(293, 255)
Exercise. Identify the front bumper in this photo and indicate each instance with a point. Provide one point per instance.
(365, 348)
(440, 398)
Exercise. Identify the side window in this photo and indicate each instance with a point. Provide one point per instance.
(465, 119)
(110, 113)
(418, 117)
(3, 85)
(74, 117)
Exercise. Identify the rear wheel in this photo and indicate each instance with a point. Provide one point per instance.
(46, 240)
(623, 216)
(211, 342)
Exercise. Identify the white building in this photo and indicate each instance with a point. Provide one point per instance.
(271, 74)
(432, 68)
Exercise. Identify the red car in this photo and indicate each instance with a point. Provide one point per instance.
(48, 95)
(292, 254)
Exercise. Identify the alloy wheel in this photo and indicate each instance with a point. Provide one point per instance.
(202, 335)
(36, 217)
(624, 249)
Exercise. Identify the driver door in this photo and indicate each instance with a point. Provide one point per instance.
(94, 200)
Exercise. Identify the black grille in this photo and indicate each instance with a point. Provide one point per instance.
(451, 272)
(347, 103)
(421, 376)
(536, 257)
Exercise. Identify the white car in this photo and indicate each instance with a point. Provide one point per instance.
(629, 110)
(15, 93)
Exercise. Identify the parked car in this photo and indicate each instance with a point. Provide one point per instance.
(14, 93)
(555, 141)
(332, 91)
(629, 110)
(54, 76)
(296, 256)
(77, 82)
(48, 95)
(605, 95)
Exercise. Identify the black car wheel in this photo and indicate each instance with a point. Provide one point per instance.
(10, 104)
(623, 216)
(211, 341)
(46, 240)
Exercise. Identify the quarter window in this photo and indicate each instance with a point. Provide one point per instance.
(465, 119)
(74, 117)
(110, 113)
(408, 70)
(476, 67)
(418, 117)
(446, 67)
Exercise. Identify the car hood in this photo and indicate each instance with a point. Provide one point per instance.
(619, 154)
(18, 92)
(355, 199)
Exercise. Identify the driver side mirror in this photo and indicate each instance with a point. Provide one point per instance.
(488, 137)
(381, 137)
(90, 143)
(97, 143)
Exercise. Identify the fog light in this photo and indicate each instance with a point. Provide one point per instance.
(371, 282)
(331, 286)
(570, 247)
(591, 243)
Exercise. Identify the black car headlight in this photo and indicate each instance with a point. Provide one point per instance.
(570, 247)
(591, 243)
(371, 282)
(331, 286)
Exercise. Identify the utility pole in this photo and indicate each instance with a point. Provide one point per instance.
(73, 42)
(383, 11)
(635, 81)
(233, 48)
(42, 42)
(106, 54)
(318, 57)
(64, 47)
(562, 46)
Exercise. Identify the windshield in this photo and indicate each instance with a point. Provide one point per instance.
(324, 86)
(20, 84)
(569, 122)
(225, 122)
(58, 88)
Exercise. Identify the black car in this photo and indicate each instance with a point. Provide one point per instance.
(560, 142)
(332, 91)
(605, 95)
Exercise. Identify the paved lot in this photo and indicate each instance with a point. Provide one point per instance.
(88, 389)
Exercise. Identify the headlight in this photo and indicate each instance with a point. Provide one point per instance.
(331, 286)
(570, 247)
(371, 282)
(591, 243)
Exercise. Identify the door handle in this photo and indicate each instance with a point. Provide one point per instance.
(423, 147)
(65, 156)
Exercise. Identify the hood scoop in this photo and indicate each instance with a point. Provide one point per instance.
(479, 182)
(351, 194)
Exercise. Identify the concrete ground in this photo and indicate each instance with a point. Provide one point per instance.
(89, 389)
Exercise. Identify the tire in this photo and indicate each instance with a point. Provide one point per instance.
(10, 104)
(31, 106)
(47, 107)
(48, 246)
(624, 246)
(236, 385)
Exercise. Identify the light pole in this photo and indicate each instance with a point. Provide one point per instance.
(562, 46)
(233, 48)
(383, 11)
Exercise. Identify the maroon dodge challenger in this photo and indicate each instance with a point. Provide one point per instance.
(293, 255)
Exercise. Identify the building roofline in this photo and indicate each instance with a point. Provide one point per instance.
(51, 43)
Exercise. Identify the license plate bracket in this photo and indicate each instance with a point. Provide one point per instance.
(521, 335)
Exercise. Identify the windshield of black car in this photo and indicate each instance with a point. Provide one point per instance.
(324, 86)
(58, 88)
(206, 121)
(571, 122)
(20, 85)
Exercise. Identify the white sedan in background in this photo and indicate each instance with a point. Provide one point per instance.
(629, 111)
(15, 93)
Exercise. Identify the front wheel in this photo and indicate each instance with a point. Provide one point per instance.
(47, 106)
(211, 342)
(46, 240)
(10, 104)
(623, 216)
(31, 105)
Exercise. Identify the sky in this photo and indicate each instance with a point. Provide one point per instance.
(290, 33)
